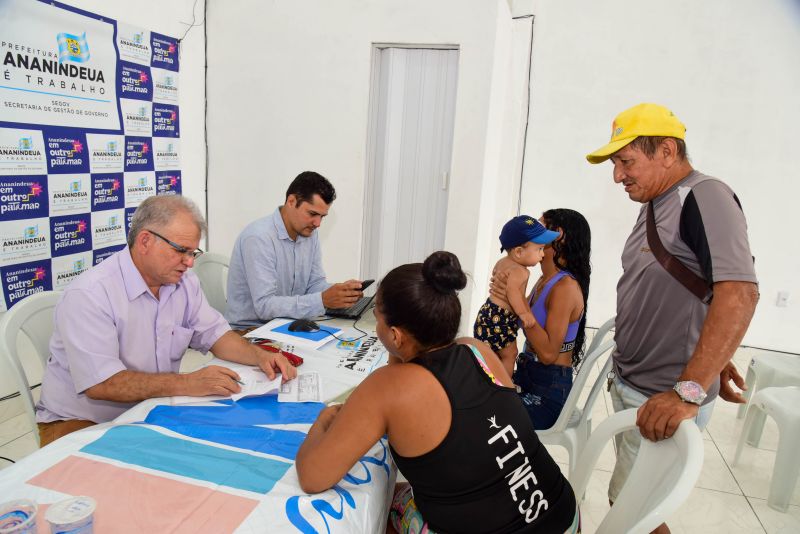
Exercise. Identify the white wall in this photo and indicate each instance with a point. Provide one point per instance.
(729, 71)
(288, 90)
(173, 18)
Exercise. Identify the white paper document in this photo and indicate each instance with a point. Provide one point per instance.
(307, 387)
(256, 383)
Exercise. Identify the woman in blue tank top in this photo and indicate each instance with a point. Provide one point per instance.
(555, 344)
(457, 429)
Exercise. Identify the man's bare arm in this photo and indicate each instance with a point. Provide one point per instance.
(233, 347)
(135, 386)
(728, 318)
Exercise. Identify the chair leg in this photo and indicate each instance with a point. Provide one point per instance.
(573, 449)
(749, 379)
(756, 427)
(582, 436)
(748, 422)
(786, 470)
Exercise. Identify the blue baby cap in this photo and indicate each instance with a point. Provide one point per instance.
(524, 228)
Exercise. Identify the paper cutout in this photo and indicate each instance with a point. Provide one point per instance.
(131, 502)
(236, 423)
(144, 447)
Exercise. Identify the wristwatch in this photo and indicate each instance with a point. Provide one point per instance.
(690, 391)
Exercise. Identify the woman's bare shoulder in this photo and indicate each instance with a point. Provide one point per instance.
(566, 293)
(397, 377)
(566, 284)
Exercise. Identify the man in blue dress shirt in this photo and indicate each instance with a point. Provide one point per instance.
(276, 265)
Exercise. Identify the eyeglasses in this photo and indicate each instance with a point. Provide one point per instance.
(194, 254)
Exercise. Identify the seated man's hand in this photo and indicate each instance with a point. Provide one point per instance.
(272, 363)
(342, 295)
(497, 285)
(659, 417)
(211, 380)
(726, 391)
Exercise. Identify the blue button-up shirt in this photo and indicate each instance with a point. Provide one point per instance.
(272, 275)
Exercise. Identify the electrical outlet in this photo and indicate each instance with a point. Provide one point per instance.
(783, 299)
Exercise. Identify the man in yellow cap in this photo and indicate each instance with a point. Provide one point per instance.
(674, 345)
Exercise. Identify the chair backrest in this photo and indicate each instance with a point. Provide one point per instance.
(33, 317)
(601, 334)
(571, 405)
(662, 477)
(600, 381)
(212, 270)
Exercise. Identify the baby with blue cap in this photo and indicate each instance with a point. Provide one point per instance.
(523, 238)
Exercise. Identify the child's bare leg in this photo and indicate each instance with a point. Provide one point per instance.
(508, 355)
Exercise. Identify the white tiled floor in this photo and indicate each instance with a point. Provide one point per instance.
(726, 499)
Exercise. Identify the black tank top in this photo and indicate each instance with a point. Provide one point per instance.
(490, 473)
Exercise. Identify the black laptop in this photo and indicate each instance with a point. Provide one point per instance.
(353, 312)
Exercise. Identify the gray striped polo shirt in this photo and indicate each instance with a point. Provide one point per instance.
(700, 222)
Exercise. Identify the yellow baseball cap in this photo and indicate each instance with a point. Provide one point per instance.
(644, 119)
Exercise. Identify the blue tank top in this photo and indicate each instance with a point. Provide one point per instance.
(537, 304)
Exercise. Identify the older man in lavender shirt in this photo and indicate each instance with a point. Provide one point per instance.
(122, 327)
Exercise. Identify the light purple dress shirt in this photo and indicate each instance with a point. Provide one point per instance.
(108, 321)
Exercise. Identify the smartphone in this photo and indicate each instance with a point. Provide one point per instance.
(366, 283)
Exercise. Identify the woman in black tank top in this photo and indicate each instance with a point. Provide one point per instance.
(457, 431)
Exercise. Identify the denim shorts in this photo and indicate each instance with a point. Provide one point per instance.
(543, 389)
(624, 397)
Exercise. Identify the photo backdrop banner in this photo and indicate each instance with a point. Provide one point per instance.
(89, 127)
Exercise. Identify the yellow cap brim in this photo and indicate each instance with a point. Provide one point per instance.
(603, 153)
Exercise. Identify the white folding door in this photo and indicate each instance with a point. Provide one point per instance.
(410, 140)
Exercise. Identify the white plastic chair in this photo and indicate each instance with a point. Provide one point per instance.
(783, 405)
(661, 479)
(604, 329)
(574, 423)
(769, 369)
(212, 270)
(34, 317)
